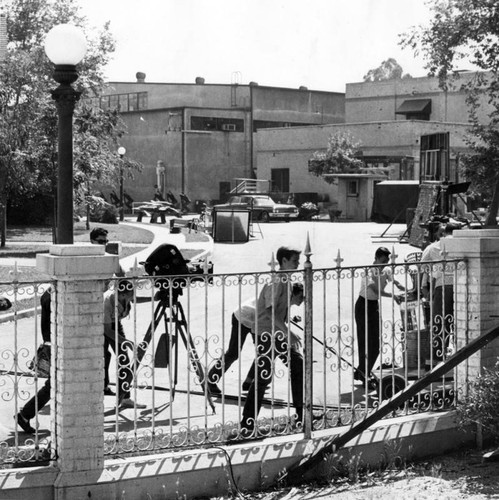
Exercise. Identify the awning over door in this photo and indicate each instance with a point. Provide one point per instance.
(411, 106)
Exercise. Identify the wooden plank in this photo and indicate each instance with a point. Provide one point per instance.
(427, 201)
(296, 472)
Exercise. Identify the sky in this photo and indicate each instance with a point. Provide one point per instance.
(321, 44)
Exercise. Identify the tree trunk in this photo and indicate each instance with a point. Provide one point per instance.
(54, 217)
(494, 207)
(87, 223)
(3, 221)
(3, 207)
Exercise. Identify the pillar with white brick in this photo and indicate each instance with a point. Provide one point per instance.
(77, 402)
(476, 295)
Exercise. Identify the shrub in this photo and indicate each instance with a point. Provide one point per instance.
(99, 210)
(107, 215)
(481, 405)
(308, 210)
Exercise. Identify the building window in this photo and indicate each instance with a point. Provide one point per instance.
(125, 102)
(114, 101)
(224, 190)
(142, 100)
(217, 124)
(259, 124)
(415, 109)
(280, 180)
(353, 188)
(434, 155)
(407, 169)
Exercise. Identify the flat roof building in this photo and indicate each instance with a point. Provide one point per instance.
(196, 138)
(408, 129)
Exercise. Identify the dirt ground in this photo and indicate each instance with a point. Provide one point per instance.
(462, 475)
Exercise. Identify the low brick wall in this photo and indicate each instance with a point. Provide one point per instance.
(255, 466)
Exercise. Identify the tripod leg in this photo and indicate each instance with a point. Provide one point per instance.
(171, 354)
(175, 355)
(142, 346)
(193, 355)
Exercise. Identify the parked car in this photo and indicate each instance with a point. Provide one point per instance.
(262, 207)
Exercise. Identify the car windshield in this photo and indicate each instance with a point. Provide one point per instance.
(263, 201)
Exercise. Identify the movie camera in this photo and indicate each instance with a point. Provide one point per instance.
(166, 260)
(173, 273)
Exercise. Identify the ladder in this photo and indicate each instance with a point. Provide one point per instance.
(254, 228)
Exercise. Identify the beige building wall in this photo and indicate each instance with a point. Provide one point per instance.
(379, 101)
(198, 161)
(290, 105)
(293, 147)
(195, 161)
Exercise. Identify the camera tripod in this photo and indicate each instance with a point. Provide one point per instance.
(174, 320)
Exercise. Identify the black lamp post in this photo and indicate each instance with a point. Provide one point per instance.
(121, 152)
(65, 46)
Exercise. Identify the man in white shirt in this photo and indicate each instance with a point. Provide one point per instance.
(367, 313)
(437, 286)
(243, 323)
(272, 341)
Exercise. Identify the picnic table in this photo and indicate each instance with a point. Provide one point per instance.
(155, 209)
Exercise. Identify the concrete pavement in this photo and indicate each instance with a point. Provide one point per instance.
(356, 243)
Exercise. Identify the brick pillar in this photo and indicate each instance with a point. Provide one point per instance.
(77, 402)
(477, 294)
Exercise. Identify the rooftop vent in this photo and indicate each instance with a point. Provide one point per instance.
(199, 80)
(141, 77)
(302, 87)
(253, 84)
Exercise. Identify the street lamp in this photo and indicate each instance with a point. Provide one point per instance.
(65, 46)
(121, 152)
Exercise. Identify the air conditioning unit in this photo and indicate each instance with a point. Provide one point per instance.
(228, 127)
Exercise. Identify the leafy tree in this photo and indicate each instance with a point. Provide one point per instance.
(388, 70)
(28, 117)
(339, 157)
(468, 31)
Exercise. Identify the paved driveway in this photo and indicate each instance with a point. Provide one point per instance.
(355, 242)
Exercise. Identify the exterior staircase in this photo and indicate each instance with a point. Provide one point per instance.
(251, 186)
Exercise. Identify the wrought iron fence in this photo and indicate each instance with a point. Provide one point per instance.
(24, 372)
(187, 369)
(194, 376)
